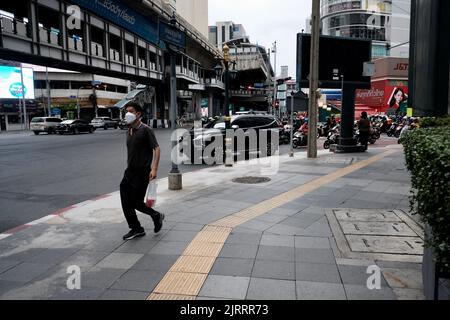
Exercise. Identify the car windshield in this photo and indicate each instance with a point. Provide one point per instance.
(68, 122)
(35, 120)
(97, 120)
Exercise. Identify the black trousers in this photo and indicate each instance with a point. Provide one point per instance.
(364, 139)
(132, 198)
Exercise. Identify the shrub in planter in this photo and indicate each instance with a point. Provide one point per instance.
(427, 153)
(434, 122)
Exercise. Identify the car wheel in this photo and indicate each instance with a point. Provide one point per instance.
(115, 127)
(105, 127)
(60, 133)
(91, 130)
(36, 132)
(76, 131)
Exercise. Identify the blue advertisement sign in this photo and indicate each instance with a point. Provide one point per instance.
(56, 111)
(118, 13)
(172, 35)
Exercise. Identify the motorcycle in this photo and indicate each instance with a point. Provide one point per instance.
(299, 140)
(372, 137)
(398, 130)
(332, 138)
(391, 131)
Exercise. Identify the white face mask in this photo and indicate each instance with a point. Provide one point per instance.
(130, 118)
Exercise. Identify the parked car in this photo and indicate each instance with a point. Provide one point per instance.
(216, 130)
(74, 127)
(104, 122)
(44, 124)
(123, 125)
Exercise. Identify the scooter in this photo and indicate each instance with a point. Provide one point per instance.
(299, 140)
(391, 130)
(332, 138)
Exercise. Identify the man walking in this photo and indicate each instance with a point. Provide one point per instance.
(143, 161)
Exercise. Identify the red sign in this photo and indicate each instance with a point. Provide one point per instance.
(383, 97)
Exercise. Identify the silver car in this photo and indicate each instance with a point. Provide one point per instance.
(44, 124)
(104, 122)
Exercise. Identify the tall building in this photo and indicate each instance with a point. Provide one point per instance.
(195, 12)
(385, 22)
(284, 72)
(226, 31)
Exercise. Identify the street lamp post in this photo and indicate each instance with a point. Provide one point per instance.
(227, 112)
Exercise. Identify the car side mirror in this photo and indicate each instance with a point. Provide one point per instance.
(235, 127)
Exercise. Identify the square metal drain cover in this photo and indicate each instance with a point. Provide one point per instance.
(376, 234)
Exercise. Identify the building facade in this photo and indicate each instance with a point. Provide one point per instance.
(195, 12)
(226, 31)
(385, 22)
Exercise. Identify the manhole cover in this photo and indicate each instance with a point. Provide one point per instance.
(377, 234)
(251, 180)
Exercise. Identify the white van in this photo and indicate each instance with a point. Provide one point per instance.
(44, 124)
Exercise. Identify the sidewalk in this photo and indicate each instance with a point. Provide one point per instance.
(309, 233)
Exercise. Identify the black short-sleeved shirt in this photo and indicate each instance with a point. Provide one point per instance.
(140, 146)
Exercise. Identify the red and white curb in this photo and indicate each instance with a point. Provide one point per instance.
(56, 214)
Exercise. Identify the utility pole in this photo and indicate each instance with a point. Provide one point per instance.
(25, 120)
(314, 80)
(48, 93)
(275, 85)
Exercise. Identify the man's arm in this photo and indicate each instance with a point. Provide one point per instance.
(155, 165)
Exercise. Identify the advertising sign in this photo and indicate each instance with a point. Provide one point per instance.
(11, 83)
(118, 13)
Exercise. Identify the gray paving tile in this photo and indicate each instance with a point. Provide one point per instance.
(119, 295)
(357, 292)
(357, 275)
(271, 218)
(179, 236)
(85, 258)
(52, 256)
(105, 245)
(302, 220)
(169, 248)
(22, 255)
(134, 280)
(276, 253)
(101, 278)
(6, 264)
(225, 287)
(317, 272)
(312, 242)
(399, 265)
(141, 246)
(257, 225)
(282, 229)
(232, 267)
(307, 290)
(314, 255)
(282, 270)
(7, 286)
(243, 251)
(269, 289)
(119, 260)
(155, 262)
(277, 241)
(184, 226)
(244, 238)
(25, 272)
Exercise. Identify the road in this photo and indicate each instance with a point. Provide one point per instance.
(42, 174)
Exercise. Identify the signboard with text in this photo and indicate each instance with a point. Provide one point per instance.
(172, 35)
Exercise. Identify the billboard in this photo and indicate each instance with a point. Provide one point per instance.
(337, 56)
(11, 83)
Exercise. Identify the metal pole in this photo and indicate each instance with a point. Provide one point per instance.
(314, 81)
(48, 93)
(275, 87)
(175, 177)
(226, 110)
(291, 153)
(78, 103)
(25, 120)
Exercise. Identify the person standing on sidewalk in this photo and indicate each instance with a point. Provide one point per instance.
(364, 127)
(143, 161)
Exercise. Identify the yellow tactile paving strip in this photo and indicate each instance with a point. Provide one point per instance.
(186, 277)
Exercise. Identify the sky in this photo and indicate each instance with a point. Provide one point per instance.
(267, 21)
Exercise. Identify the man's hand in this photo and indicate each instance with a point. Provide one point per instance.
(153, 174)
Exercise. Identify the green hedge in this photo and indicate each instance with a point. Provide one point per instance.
(434, 122)
(427, 153)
